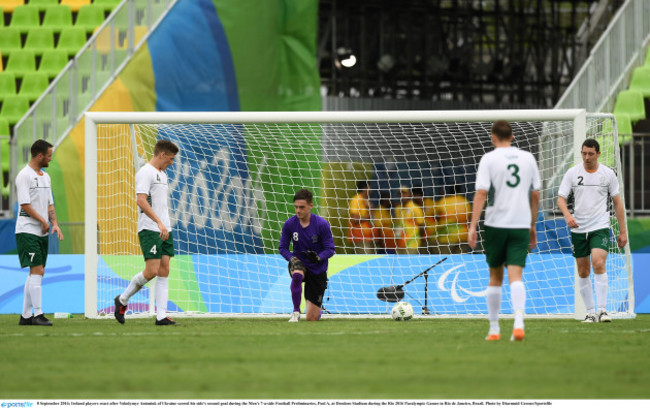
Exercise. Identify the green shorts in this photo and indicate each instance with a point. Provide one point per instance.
(153, 247)
(506, 246)
(584, 242)
(32, 249)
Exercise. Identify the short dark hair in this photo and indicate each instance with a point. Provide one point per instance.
(502, 129)
(361, 185)
(591, 143)
(418, 191)
(303, 194)
(165, 146)
(40, 146)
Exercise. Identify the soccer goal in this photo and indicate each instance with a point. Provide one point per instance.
(232, 185)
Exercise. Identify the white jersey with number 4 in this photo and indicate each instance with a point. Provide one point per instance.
(508, 174)
(33, 188)
(590, 192)
(152, 182)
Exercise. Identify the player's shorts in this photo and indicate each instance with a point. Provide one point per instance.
(153, 247)
(315, 286)
(584, 242)
(32, 249)
(506, 246)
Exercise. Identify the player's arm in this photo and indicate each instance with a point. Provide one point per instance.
(619, 209)
(477, 207)
(562, 205)
(534, 207)
(284, 244)
(51, 213)
(29, 210)
(149, 212)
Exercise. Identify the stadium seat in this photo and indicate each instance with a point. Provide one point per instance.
(53, 62)
(43, 4)
(39, 40)
(647, 58)
(90, 17)
(9, 40)
(72, 39)
(624, 126)
(630, 102)
(58, 18)
(24, 18)
(33, 85)
(641, 80)
(14, 108)
(4, 145)
(8, 6)
(107, 5)
(75, 5)
(4, 127)
(21, 62)
(7, 85)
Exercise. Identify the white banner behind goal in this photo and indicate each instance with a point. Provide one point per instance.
(231, 190)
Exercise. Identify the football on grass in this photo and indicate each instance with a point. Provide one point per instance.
(402, 311)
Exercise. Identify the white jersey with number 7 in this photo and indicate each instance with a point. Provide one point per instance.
(508, 174)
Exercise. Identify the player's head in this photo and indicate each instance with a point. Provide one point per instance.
(164, 153)
(303, 203)
(590, 152)
(418, 195)
(42, 152)
(502, 131)
(362, 185)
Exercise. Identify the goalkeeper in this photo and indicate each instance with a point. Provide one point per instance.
(313, 245)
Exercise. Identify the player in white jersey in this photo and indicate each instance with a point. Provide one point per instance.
(591, 184)
(508, 179)
(154, 232)
(34, 190)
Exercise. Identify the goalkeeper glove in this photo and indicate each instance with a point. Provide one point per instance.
(311, 256)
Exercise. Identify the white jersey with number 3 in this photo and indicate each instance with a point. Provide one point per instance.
(508, 174)
(152, 182)
(590, 191)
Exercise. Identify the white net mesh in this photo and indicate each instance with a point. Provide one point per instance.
(231, 190)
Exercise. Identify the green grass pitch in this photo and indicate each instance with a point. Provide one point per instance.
(218, 358)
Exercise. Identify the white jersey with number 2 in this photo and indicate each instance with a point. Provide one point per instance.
(152, 182)
(508, 174)
(590, 190)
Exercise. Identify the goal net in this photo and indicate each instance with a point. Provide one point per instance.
(231, 188)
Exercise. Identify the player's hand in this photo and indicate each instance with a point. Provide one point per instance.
(571, 222)
(533, 238)
(311, 256)
(471, 238)
(58, 232)
(622, 239)
(164, 233)
(45, 227)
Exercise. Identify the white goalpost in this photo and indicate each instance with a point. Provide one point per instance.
(231, 189)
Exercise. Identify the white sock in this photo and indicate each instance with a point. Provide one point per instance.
(493, 298)
(162, 294)
(36, 293)
(27, 301)
(518, 300)
(134, 287)
(584, 284)
(601, 284)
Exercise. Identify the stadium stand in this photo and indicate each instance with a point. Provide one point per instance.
(9, 40)
(33, 85)
(90, 17)
(107, 5)
(631, 103)
(75, 5)
(39, 40)
(7, 85)
(58, 18)
(53, 62)
(8, 6)
(13, 108)
(25, 17)
(21, 62)
(641, 80)
(43, 4)
(72, 39)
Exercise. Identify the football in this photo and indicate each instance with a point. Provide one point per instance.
(402, 311)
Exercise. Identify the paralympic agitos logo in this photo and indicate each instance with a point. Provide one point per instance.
(458, 293)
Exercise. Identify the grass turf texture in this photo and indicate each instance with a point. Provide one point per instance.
(331, 359)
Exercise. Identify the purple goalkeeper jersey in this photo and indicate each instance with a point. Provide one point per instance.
(317, 237)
